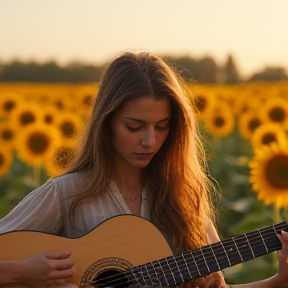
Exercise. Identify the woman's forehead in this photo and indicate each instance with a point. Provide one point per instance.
(145, 108)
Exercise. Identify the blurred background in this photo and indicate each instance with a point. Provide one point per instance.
(232, 54)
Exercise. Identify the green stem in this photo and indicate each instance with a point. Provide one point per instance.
(37, 175)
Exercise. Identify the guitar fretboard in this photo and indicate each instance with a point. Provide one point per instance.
(175, 270)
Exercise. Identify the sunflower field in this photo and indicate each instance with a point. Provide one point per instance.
(244, 128)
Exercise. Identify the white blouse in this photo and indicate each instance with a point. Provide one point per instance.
(46, 209)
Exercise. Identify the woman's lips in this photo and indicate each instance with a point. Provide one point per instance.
(144, 156)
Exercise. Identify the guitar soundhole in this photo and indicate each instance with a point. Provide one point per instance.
(111, 278)
(107, 272)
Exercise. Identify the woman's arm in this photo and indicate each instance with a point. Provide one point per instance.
(43, 269)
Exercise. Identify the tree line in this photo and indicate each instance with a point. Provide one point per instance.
(203, 70)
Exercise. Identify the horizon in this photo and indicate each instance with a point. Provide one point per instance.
(96, 31)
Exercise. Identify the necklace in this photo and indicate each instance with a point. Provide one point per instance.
(130, 198)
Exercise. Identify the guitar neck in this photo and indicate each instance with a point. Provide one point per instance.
(174, 270)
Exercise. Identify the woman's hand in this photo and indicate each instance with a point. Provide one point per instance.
(214, 280)
(282, 276)
(47, 269)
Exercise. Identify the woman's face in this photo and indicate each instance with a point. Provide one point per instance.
(139, 129)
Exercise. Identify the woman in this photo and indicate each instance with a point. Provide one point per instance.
(141, 155)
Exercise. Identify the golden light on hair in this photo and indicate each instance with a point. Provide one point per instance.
(269, 174)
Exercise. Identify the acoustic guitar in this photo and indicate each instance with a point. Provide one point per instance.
(129, 251)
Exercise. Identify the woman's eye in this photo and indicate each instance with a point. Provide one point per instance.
(133, 129)
(162, 127)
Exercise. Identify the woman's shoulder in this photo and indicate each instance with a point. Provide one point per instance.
(70, 183)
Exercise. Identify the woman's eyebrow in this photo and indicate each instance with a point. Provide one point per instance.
(142, 121)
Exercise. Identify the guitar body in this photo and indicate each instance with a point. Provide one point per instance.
(128, 250)
(114, 245)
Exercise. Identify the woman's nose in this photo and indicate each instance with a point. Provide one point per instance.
(149, 139)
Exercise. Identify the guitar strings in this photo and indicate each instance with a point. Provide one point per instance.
(195, 262)
(148, 273)
(206, 255)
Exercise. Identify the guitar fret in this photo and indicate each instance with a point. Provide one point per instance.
(150, 281)
(249, 245)
(219, 268)
(163, 273)
(136, 270)
(171, 272)
(257, 246)
(201, 250)
(194, 261)
(210, 259)
(232, 252)
(221, 243)
(191, 277)
(179, 272)
(237, 249)
(243, 248)
(154, 272)
(198, 255)
(143, 275)
(263, 240)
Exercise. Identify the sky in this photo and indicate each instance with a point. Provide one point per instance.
(254, 32)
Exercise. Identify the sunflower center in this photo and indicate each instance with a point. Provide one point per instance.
(68, 129)
(268, 138)
(64, 156)
(38, 143)
(219, 121)
(277, 114)
(276, 172)
(88, 100)
(9, 105)
(253, 124)
(27, 118)
(7, 135)
(48, 119)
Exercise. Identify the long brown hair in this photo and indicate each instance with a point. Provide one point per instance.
(176, 181)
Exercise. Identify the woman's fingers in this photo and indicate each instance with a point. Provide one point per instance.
(283, 237)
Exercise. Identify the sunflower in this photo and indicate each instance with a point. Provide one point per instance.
(7, 133)
(26, 114)
(220, 121)
(267, 133)
(202, 102)
(49, 115)
(61, 158)
(269, 174)
(8, 102)
(248, 122)
(36, 143)
(86, 98)
(70, 125)
(276, 110)
(5, 159)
